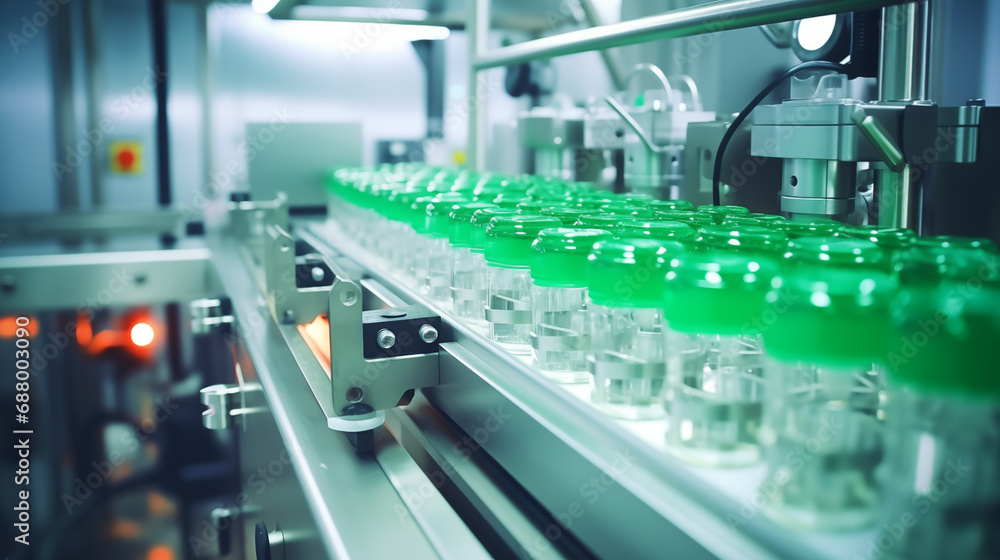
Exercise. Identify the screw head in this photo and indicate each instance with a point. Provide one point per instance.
(317, 274)
(428, 333)
(386, 338)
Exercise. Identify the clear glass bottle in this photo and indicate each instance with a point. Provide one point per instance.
(467, 285)
(821, 435)
(560, 333)
(436, 283)
(715, 357)
(508, 278)
(468, 279)
(627, 347)
(942, 457)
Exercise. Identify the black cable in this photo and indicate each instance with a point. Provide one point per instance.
(742, 116)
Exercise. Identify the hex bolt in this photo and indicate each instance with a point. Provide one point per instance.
(428, 333)
(386, 338)
(317, 274)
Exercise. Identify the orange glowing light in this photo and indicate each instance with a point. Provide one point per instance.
(142, 334)
(317, 337)
(10, 325)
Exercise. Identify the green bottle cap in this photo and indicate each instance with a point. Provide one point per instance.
(808, 228)
(607, 222)
(945, 339)
(928, 262)
(830, 305)
(694, 219)
(480, 221)
(418, 213)
(509, 239)
(719, 213)
(669, 205)
(626, 209)
(532, 207)
(718, 292)
(739, 221)
(461, 232)
(559, 257)
(888, 238)
(630, 272)
(768, 220)
(743, 239)
(438, 216)
(664, 231)
(595, 203)
(568, 215)
(510, 199)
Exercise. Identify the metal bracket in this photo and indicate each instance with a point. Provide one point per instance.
(288, 302)
(362, 386)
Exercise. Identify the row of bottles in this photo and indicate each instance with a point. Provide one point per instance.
(853, 361)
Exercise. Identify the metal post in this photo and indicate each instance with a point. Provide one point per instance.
(478, 29)
(903, 68)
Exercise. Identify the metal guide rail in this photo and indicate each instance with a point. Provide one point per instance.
(606, 484)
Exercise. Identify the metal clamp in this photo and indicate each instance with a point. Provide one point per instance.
(223, 402)
(363, 388)
(288, 302)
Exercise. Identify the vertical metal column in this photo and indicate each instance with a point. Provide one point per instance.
(902, 77)
(478, 28)
(61, 57)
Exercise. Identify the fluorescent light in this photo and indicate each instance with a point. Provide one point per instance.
(263, 6)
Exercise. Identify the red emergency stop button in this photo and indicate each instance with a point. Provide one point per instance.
(126, 157)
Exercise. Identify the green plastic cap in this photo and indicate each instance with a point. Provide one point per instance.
(480, 221)
(607, 222)
(719, 213)
(630, 272)
(831, 303)
(438, 219)
(935, 260)
(768, 220)
(532, 207)
(945, 340)
(744, 239)
(694, 219)
(888, 238)
(718, 292)
(808, 228)
(568, 215)
(461, 232)
(510, 199)
(664, 231)
(595, 204)
(740, 221)
(509, 239)
(559, 256)
(626, 209)
(669, 205)
(418, 213)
